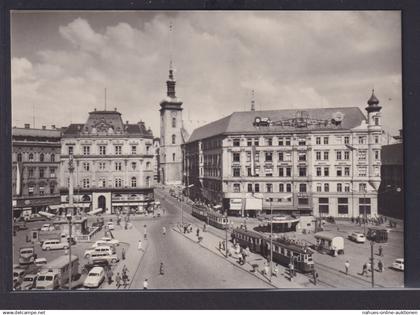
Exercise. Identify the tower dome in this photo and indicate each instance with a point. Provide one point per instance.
(373, 103)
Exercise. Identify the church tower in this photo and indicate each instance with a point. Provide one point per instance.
(171, 136)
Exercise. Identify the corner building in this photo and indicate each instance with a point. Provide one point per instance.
(113, 163)
(322, 162)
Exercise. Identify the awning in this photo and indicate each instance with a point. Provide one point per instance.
(235, 204)
(253, 204)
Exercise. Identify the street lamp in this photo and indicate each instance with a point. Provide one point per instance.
(271, 237)
(364, 211)
(182, 209)
(69, 219)
(372, 264)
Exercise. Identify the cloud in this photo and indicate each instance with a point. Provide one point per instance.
(292, 59)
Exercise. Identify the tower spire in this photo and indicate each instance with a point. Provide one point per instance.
(253, 101)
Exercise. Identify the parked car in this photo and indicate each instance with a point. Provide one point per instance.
(99, 249)
(47, 227)
(99, 256)
(94, 278)
(398, 264)
(357, 237)
(27, 255)
(29, 282)
(110, 226)
(54, 244)
(39, 262)
(107, 241)
(18, 274)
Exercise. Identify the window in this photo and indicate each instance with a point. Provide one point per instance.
(118, 166)
(102, 150)
(19, 157)
(31, 189)
(52, 172)
(338, 155)
(133, 149)
(281, 172)
(281, 142)
(343, 205)
(41, 157)
(362, 187)
(318, 155)
(281, 156)
(376, 121)
(249, 171)
(362, 139)
(326, 187)
(133, 182)
(288, 171)
(346, 140)
(148, 181)
(52, 188)
(236, 187)
(248, 156)
(173, 122)
(257, 187)
(302, 187)
(147, 165)
(347, 171)
(362, 171)
(347, 187)
(362, 155)
(339, 187)
(236, 142)
(249, 187)
(269, 156)
(86, 166)
(236, 157)
(364, 206)
(102, 182)
(302, 171)
(376, 139)
(318, 140)
(281, 187)
(118, 182)
(377, 155)
(323, 205)
(41, 189)
(303, 201)
(269, 187)
(41, 172)
(325, 155)
(346, 155)
(173, 139)
(86, 183)
(236, 172)
(257, 156)
(30, 172)
(318, 187)
(101, 166)
(287, 156)
(287, 141)
(70, 150)
(326, 171)
(118, 150)
(173, 157)
(270, 141)
(52, 157)
(318, 171)
(339, 171)
(325, 140)
(288, 187)
(256, 142)
(86, 150)
(249, 142)
(301, 142)
(133, 165)
(302, 156)
(147, 149)
(31, 157)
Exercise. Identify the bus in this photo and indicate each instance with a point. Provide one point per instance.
(55, 274)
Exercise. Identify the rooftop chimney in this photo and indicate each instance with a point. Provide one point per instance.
(27, 126)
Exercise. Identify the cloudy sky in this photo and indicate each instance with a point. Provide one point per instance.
(63, 61)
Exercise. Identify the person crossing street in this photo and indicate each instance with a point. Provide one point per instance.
(347, 266)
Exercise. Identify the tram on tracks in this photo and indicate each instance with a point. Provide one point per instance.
(210, 217)
(284, 250)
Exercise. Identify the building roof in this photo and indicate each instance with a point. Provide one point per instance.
(107, 123)
(32, 132)
(286, 121)
(392, 154)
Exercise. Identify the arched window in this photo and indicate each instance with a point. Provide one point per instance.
(173, 122)
(53, 157)
(133, 182)
(41, 157)
(173, 157)
(31, 156)
(147, 165)
(19, 157)
(173, 139)
(148, 181)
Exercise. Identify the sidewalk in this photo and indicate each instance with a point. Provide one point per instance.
(211, 243)
(133, 256)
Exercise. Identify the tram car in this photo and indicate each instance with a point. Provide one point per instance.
(210, 217)
(284, 250)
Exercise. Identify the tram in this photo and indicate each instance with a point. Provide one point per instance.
(210, 217)
(284, 250)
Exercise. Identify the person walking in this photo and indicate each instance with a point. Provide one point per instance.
(145, 232)
(369, 267)
(380, 251)
(347, 266)
(198, 232)
(164, 231)
(276, 270)
(364, 269)
(109, 274)
(118, 280)
(123, 253)
(145, 284)
(292, 269)
(380, 266)
(161, 270)
(220, 246)
(315, 276)
(139, 245)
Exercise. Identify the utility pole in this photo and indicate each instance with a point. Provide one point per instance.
(364, 211)
(372, 264)
(226, 240)
(271, 240)
(70, 214)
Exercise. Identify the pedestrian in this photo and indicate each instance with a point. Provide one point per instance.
(276, 270)
(109, 275)
(347, 265)
(198, 232)
(266, 269)
(369, 267)
(292, 270)
(364, 270)
(243, 258)
(118, 280)
(145, 284)
(315, 276)
(204, 227)
(164, 231)
(380, 249)
(139, 245)
(220, 246)
(123, 253)
(124, 270)
(161, 270)
(380, 266)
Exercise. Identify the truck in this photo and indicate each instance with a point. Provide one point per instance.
(27, 255)
(55, 274)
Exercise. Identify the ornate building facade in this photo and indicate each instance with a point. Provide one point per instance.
(324, 161)
(35, 169)
(113, 163)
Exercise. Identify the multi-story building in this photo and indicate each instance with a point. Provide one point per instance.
(35, 170)
(156, 160)
(323, 161)
(113, 163)
(172, 135)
